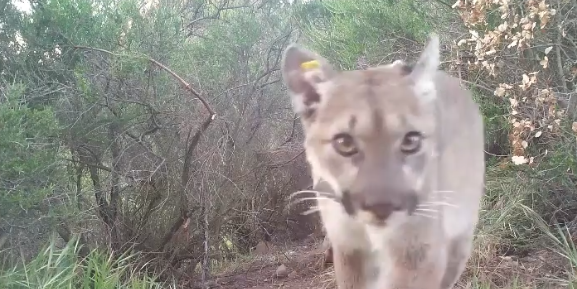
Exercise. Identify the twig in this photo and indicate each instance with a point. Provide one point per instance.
(186, 85)
(280, 164)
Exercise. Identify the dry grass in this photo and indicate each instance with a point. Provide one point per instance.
(515, 247)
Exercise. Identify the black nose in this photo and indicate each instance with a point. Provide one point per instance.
(381, 210)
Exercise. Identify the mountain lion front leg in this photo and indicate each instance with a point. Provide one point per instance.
(412, 267)
(349, 245)
(350, 268)
(459, 252)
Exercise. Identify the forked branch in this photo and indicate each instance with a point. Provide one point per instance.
(183, 82)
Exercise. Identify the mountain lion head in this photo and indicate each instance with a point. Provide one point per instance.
(370, 134)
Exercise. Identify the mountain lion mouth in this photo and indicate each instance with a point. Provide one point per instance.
(379, 210)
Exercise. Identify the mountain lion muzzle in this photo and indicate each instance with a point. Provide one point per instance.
(397, 161)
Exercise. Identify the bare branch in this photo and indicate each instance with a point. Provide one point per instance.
(169, 71)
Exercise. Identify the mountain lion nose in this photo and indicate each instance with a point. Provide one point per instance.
(381, 210)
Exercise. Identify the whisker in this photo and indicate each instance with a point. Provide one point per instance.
(426, 204)
(315, 198)
(424, 215)
(446, 204)
(443, 191)
(426, 210)
(436, 204)
(309, 199)
(310, 211)
(302, 192)
(308, 192)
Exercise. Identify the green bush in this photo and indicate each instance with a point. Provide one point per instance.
(343, 30)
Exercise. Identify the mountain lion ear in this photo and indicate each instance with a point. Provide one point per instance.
(423, 73)
(303, 71)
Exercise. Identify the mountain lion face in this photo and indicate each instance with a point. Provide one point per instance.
(370, 134)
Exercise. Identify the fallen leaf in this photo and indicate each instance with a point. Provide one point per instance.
(525, 79)
(512, 44)
(544, 62)
(519, 160)
(500, 91)
(538, 133)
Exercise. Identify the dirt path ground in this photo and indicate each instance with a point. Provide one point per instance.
(303, 269)
(287, 267)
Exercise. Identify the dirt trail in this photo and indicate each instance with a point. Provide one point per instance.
(303, 265)
(304, 270)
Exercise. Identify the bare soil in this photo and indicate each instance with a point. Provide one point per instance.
(303, 263)
(305, 269)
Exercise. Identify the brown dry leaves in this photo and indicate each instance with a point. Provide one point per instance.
(530, 93)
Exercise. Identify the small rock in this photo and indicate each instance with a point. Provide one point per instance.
(262, 248)
(281, 271)
(293, 274)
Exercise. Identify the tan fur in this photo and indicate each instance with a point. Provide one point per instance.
(397, 158)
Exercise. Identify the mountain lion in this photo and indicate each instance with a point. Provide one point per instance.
(396, 155)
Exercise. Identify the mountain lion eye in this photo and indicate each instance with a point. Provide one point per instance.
(411, 142)
(345, 145)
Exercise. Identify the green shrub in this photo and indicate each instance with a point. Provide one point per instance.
(60, 268)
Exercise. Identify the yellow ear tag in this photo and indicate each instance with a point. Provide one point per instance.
(310, 65)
